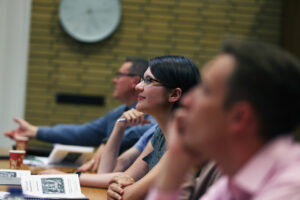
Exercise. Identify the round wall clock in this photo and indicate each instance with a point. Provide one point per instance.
(89, 20)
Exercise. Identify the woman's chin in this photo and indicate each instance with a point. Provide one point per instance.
(141, 108)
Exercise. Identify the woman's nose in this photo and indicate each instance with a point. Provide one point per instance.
(139, 86)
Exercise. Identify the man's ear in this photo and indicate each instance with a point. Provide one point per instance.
(135, 80)
(241, 117)
(175, 95)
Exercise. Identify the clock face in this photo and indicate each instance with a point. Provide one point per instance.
(89, 20)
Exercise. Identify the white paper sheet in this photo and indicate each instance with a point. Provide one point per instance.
(9, 173)
(52, 186)
(3, 195)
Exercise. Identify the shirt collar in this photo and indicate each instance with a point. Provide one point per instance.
(252, 176)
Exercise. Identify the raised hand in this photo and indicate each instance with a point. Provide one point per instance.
(179, 159)
(133, 117)
(25, 129)
(176, 133)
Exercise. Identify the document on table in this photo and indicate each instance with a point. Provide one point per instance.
(11, 173)
(70, 154)
(62, 186)
(62, 155)
(12, 177)
(3, 195)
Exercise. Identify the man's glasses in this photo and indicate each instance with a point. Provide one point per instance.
(148, 80)
(120, 74)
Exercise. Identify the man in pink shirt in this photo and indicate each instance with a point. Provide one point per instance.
(242, 115)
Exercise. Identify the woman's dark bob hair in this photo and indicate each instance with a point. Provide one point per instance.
(175, 72)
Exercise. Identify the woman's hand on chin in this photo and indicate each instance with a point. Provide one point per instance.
(133, 117)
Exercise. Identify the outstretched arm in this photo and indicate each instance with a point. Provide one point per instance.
(97, 180)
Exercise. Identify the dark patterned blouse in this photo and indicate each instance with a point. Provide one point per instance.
(158, 142)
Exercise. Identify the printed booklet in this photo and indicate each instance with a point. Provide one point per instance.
(62, 186)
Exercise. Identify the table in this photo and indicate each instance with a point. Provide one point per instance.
(91, 192)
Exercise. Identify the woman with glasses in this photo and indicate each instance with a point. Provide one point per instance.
(160, 90)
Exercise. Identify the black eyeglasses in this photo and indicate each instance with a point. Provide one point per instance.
(120, 74)
(148, 80)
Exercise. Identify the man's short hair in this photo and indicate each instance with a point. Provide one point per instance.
(268, 78)
(139, 65)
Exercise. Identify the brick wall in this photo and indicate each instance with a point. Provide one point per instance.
(148, 28)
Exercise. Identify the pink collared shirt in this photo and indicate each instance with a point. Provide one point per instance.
(272, 174)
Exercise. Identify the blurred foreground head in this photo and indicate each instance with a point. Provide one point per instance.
(269, 79)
